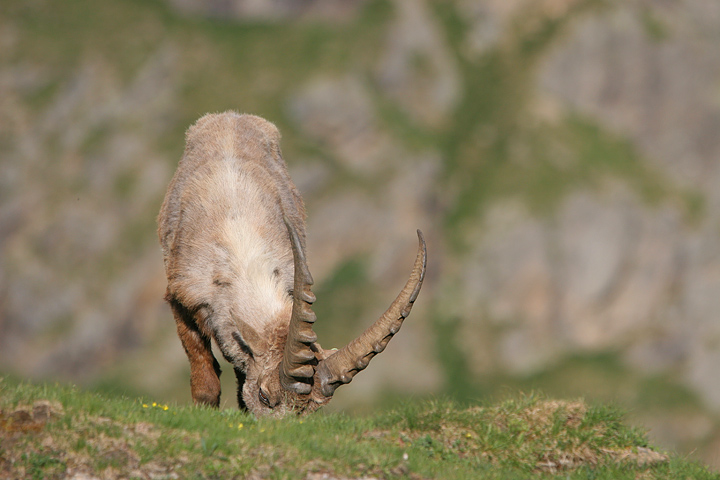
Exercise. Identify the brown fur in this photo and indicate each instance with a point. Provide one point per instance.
(228, 258)
(225, 230)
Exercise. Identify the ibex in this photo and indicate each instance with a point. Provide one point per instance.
(232, 232)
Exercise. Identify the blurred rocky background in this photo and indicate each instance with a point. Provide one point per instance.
(561, 156)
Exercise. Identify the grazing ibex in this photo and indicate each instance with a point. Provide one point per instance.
(232, 231)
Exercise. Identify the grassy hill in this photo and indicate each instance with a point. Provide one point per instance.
(565, 186)
(53, 431)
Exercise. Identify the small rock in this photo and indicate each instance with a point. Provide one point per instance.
(43, 410)
(21, 416)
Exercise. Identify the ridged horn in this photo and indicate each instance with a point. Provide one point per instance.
(342, 366)
(298, 364)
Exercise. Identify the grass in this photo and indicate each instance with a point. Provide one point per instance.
(50, 431)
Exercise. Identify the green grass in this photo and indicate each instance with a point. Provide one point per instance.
(527, 437)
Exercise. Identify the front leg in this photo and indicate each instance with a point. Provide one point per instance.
(240, 375)
(204, 368)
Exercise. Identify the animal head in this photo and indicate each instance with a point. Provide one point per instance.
(294, 373)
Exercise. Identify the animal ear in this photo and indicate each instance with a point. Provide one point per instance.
(249, 339)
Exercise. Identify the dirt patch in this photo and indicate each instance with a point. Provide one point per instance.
(29, 418)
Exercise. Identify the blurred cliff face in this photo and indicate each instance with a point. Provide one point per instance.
(561, 156)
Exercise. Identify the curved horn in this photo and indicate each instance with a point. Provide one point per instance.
(297, 369)
(341, 367)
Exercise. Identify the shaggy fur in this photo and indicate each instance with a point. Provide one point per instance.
(227, 253)
(225, 230)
